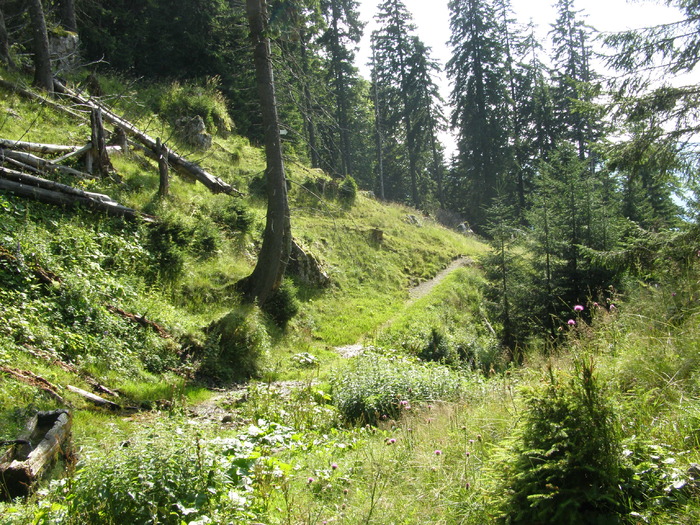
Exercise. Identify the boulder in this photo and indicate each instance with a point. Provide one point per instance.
(194, 132)
(307, 267)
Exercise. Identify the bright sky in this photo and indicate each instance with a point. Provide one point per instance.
(432, 20)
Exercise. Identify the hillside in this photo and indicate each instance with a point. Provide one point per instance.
(227, 415)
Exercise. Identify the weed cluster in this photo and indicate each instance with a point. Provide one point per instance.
(203, 100)
(377, 387)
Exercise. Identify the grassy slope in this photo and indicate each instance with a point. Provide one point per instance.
(649, 367)
(103, 259)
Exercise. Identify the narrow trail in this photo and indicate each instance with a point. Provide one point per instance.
(220, 408)
(415, 293)
(426, 287)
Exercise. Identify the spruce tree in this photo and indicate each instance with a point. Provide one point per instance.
(343, 33)
(573, 77)
(408, 101)
(479, 99)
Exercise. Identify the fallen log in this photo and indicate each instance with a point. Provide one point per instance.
(35, 147)
(147, 323)
(31, 457)
(54, 360)
(38, 162)
(50, 192)
(94, 399)
(30, 378)
(45, 276)
(215, 184)
(38, 98)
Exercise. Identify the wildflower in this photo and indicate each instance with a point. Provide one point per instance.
(438, 452)
(310, 481)
(390, 441)
(468, 485)
(571, 322)
(613, 307)
(578, 308)
(468, 454)
(334, 466)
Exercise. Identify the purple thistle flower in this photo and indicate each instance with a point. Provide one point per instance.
(578, 308)
(438, 452)
(571, 322)
(334, 466)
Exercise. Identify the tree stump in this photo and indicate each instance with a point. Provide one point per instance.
(46, 437)
(162, 152)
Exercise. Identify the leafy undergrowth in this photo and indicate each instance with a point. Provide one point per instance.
(430, 425)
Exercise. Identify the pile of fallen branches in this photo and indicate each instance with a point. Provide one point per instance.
(24, 165)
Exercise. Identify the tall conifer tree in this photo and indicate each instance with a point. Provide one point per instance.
(479, 99)
(343, 33)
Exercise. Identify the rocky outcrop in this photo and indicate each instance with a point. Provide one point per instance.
(194, 132)
(307, 267)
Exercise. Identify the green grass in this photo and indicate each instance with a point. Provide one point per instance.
(294, 452)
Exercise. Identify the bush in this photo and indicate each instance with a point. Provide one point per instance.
(234, 217)
(167, 241)
(566, 462)
(163, 475)
(283, 305)
(237, 346)
(375, 387)
(206, 101)
(347, 192)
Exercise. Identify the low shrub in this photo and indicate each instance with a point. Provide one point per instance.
(234, 217)
(236, 347)
(206, 101)
(375, 387)
(167, 241)
(283, 305)
(565, 463)
(347, 191)
(163, 475)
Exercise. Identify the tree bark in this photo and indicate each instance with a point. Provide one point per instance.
(277, 238)
(164, 186)
(43, 77)
(99, 148)
(67, 15)
(5, 43)
(18, 145)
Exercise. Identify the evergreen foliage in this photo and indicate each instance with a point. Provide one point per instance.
(566, 460)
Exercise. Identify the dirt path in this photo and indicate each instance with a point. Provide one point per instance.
(414, 294)
(426, 287)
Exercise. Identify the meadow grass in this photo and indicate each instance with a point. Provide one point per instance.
(289, 453)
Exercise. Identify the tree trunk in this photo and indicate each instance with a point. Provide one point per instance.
(67, 15)
(5, 43)
(43, 77)
(99, 147)
(274, 254)
(164, 186)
